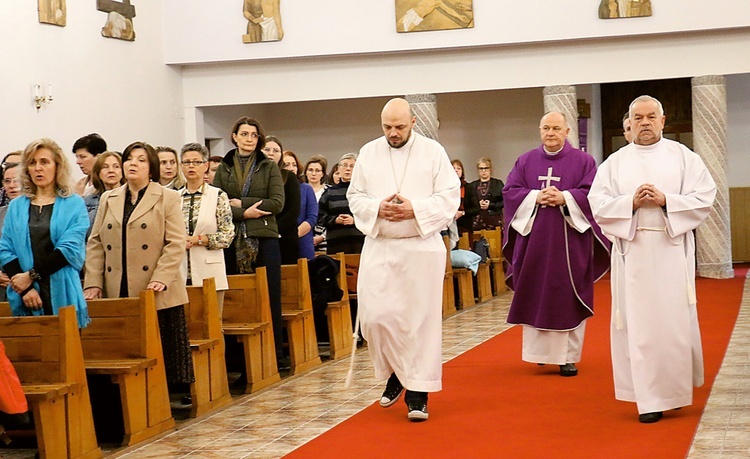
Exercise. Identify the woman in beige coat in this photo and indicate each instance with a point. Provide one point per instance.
(146, 219)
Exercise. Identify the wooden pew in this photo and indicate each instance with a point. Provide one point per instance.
(464, 281)
(339, 314)
(123, 342)
(247, 315)
(211, 388)
(495, 238)
(46, 352)
(482, 277)
(449, 293)
(297, 316)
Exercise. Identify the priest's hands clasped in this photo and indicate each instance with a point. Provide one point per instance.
(550, 196)
(647, 195)
(396, 208)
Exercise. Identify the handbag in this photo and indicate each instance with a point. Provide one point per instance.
(482, 248)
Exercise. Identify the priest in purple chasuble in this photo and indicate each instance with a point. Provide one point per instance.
(554, 248)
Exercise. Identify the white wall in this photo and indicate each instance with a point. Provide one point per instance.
(738, 129)
(203, 31)
(119, 89)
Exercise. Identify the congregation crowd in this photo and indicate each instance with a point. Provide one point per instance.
(155, 218)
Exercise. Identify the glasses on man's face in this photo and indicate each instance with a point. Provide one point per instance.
(194, 163)
(484, 168)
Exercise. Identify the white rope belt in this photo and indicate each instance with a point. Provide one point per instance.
(651, 228)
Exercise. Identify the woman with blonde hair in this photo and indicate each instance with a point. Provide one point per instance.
(43, 242)
(484, 198)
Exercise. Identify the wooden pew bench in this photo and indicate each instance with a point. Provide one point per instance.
(449, 292)
(464, 282)
(247, 316)
(339, 314)
(211, 388)
(46, 352)
(297, 317)
(123, 342)
(495, 238)
(482, 280)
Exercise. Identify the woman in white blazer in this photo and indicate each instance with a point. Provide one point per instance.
(208, 222)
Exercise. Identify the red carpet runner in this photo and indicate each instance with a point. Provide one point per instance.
(495, 406)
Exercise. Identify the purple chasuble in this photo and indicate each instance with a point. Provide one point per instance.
(552, 269)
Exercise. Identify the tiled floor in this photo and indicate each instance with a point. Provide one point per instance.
(277, 420)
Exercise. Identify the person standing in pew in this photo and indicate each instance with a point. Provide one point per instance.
(403, 192)
(208, 222)
(42, 247)
(137, 243)
(554, 248)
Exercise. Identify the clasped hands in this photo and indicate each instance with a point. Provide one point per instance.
(19, 283)
(647, 195)
(396, 208)
(550, 196)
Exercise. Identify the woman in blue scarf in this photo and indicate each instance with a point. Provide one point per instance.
(43, 243)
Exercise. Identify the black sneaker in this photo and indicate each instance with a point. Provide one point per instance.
(417, 404)
(392, 392)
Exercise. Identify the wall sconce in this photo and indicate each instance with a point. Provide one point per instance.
(39, 98)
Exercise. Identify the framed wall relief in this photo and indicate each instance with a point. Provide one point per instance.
(52, 12)
(263, 21)
(611, 9)
(119, 19)
(420, 15)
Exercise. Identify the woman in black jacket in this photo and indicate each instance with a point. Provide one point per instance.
(484, 198)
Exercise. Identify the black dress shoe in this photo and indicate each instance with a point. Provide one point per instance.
(569, 369)
(650, 418)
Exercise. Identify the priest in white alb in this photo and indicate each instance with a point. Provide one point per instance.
(403, 192)
(648, 197)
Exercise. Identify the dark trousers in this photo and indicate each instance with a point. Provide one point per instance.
(269, 256)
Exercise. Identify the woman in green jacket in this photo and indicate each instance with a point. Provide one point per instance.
(256, 194)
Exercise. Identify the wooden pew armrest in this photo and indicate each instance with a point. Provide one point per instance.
(119, 366)
(203, 344)
(42, 392)
(243, 328)
(338, 304)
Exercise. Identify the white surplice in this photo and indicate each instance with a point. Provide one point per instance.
(656, 348)
(399, 288)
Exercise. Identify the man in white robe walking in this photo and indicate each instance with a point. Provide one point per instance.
(648, 197)
(403, 192)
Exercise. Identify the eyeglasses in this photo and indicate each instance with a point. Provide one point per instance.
(484, 168)
(195, 163)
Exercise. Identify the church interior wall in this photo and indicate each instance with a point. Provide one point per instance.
(119, 89)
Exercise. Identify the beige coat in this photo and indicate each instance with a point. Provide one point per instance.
(155, 245)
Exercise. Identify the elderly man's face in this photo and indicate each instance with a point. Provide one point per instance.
(626, 131)
(646, 122)
(553, 130)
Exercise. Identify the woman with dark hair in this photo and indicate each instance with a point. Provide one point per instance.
(138, 243)
(106, 175)
(308, 211)
(484, 198)
(86, 149)
(256, 194)
(315, 175)
(335, 176)
(463, 223)
(287, 218)
(42, 248)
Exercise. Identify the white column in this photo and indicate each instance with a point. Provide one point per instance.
(195, 130)
(563, 99)
(713, 237)
(424, 107)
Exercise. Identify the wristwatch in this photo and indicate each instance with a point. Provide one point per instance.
(200, 239)
(34, 275)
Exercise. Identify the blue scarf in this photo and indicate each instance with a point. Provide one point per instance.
(68, 227)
